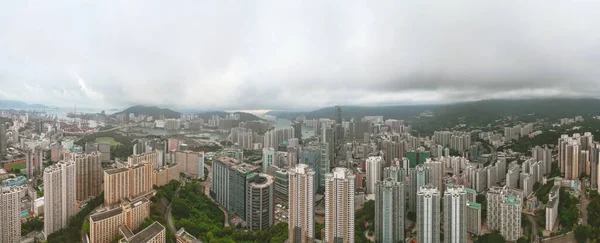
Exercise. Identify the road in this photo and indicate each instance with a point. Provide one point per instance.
(534, 226)
(168, 216)
(569, 238)
(584, 203)
(207, 186)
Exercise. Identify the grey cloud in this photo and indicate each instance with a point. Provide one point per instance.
(295, 54)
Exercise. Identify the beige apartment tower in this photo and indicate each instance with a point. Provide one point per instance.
(104, 226)
(301, 223)
(10, 223)
(89, 175)
(129, 182)
(339, 206)
(59, 195)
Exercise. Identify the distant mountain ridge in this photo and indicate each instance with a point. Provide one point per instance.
(153, 111)
(15, 104)
(488, 109)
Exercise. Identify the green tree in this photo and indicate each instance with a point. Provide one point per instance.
(493, 237)
(593, 210)
(581, 233)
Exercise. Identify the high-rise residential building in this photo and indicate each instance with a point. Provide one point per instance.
(543, 154)
(282, 181)
(373, 166)
(89, 175)
(328, 137)
(34, 160)
(104, 148)
(192, 162)
(418, 177)
(268, 158)
(301, 223)
(501, 170)
(339, 206)
(594, 163)
(360, 128)
(569, 150)
(552, 207)
(504, 212)
(259, 202)
(526, 184)
(297, 131)
(3, 139)
(275, 137)
(311, 156)
(437, 173)
(395, 172)
(104, 225)
(59, 195)
(231, 179)
(455, 215)
(428, 215)
(474, 218)
(128, 182)
(389, 211)
(492, 175)
(10, 211)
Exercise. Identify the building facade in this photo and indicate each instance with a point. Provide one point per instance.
(259, 202)
(59, 195)
(428, 215)
(301, 223)
(389, 211)
(339, 206)
(10, 214)
(455, 215)
(88, 175)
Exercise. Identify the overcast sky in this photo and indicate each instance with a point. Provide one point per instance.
(295, 54)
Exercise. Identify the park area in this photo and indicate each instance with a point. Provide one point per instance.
(111, 140)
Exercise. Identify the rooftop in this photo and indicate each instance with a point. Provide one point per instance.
(147, 234)
(115, 171)
(108, 214)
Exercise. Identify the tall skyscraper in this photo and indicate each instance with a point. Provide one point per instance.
(455, 215)
(3, 139)
(418, 177)
(569, 150)
(338, 114)
(301, 223)
(59, 195)
(428, 215)
(373, 165)
(33, 158)
(504, 212)
(10, 223)
(297, 131)
(543, 154)
(389, 211)
(259, 202)
(395, 172)
(328, 137)
(268, 158)
(474, 218)
(89, 175)
(437, 173)
(339, 206)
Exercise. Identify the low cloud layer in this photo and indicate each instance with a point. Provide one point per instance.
(295, 54)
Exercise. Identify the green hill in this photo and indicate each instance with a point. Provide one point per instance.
(153, 111)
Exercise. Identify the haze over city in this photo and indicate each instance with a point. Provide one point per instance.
(297, 55)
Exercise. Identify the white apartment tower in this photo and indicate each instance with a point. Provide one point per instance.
(428, 215)
(373, 166)
(59, 195)
(504, 212)
(10, 223)
(268, 158)
(301, 223)
(455, 215)
(339, 206)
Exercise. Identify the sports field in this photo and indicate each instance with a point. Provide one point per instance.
(108, 139)
(17, 165)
